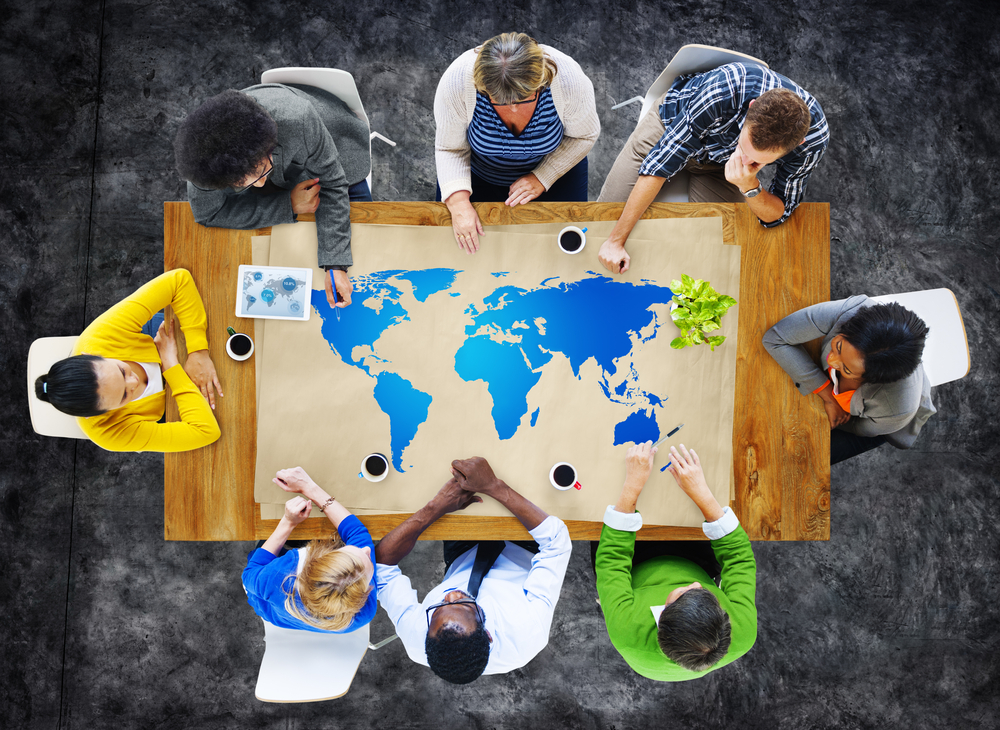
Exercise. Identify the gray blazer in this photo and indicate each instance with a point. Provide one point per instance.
(318, 136)
(895, 410)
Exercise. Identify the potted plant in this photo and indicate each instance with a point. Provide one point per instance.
(697, 309)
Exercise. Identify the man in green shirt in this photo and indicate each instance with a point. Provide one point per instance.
(665, 615)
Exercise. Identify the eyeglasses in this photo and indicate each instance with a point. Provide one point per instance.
(467, 601)
(515, 103)
(270, 167)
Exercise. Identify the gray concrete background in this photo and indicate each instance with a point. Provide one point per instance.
(892, 623)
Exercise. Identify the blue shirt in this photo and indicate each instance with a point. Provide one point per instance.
(267, 576)
(501, 157)
(704, 113)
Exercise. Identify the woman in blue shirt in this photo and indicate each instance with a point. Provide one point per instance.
(325, 586)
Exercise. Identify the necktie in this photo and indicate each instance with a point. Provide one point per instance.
(486, 554)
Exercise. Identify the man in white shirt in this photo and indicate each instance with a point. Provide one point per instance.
(493, 611)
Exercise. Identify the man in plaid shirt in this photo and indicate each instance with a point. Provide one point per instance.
(722, 126)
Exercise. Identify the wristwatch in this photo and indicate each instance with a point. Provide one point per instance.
(753, 193)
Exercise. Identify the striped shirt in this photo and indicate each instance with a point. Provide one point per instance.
(704, 113)
(501, 157)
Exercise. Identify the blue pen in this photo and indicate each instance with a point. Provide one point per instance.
(667, 466)
(335, 300)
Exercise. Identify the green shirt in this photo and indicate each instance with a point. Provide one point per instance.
(627, 595)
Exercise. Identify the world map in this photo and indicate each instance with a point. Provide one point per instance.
(511, 338)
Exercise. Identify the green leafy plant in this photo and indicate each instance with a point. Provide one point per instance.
(699, 311)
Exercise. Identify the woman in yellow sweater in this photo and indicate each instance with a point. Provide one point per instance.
(114, 380)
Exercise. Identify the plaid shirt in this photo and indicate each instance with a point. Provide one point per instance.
(703, 115)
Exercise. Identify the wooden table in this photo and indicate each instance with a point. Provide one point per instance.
(781, 440)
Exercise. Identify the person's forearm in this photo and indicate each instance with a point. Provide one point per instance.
(400, 541)
(766, 206)
(826, 392)
(642, 195)
(707, 503)
(458, 200)
(335, 512)
(529, 514)
(278, 538)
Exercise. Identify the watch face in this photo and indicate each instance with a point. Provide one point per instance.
(753, 193)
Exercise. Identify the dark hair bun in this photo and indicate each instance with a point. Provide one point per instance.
(40, 383)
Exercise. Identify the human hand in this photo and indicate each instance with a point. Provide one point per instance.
(342, 282)
(201, 370)
(166, 344)
(294, 480)
(837, 415)
(612, 255)
(465, 222)
(452, 498)
(686, 469)
(476, 475)
(297, 509)
(524, 190)
(638, 465)
(742, 176)
(305, 196)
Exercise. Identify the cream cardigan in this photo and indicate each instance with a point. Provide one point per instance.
(455, 102)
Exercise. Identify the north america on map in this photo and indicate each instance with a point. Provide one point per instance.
(509, 341)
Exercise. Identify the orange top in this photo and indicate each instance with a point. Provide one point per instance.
(844, 398)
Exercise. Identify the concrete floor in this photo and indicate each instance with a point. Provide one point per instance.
(892, 623)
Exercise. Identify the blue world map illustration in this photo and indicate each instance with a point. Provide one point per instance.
(514, 333)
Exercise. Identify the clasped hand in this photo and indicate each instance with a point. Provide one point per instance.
(294, 480)
(297, 509)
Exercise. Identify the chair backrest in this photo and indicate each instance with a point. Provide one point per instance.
(307, 666)
(45, 419)
(339, 83)
(946, 351)
(690, 59)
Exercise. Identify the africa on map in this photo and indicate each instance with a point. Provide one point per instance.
(510, 339)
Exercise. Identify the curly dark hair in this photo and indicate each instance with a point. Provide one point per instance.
(71, 386)
(694, 630)
(457, 657)
(223, 141)
(778, 120)
(890, 338)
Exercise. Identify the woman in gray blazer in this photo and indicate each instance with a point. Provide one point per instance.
(262, 156)
(869, 374)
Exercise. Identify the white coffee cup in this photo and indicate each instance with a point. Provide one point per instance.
(234, 335)
(581, 232)
(369, 473)
(574, 483)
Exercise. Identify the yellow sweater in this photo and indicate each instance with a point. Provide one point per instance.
(117, 334)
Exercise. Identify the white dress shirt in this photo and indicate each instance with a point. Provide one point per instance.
(518, 596)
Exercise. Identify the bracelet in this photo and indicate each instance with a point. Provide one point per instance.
(327, 503)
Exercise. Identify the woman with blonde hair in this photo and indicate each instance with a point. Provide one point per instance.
(515, 121)
(326, 586)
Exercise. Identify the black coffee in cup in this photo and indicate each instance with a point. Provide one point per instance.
(375, 465)
(240, 345)
(570, 241)
(564, 475)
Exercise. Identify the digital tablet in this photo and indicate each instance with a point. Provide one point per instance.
(274, 292)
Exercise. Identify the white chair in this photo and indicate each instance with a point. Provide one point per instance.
(307, 666)
(333, 80)
(692, 58)
(946, 351)
(45, 419)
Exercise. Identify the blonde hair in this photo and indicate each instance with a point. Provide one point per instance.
(332, 586)
(512, 67)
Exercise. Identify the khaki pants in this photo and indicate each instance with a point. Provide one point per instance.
(707, 183)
